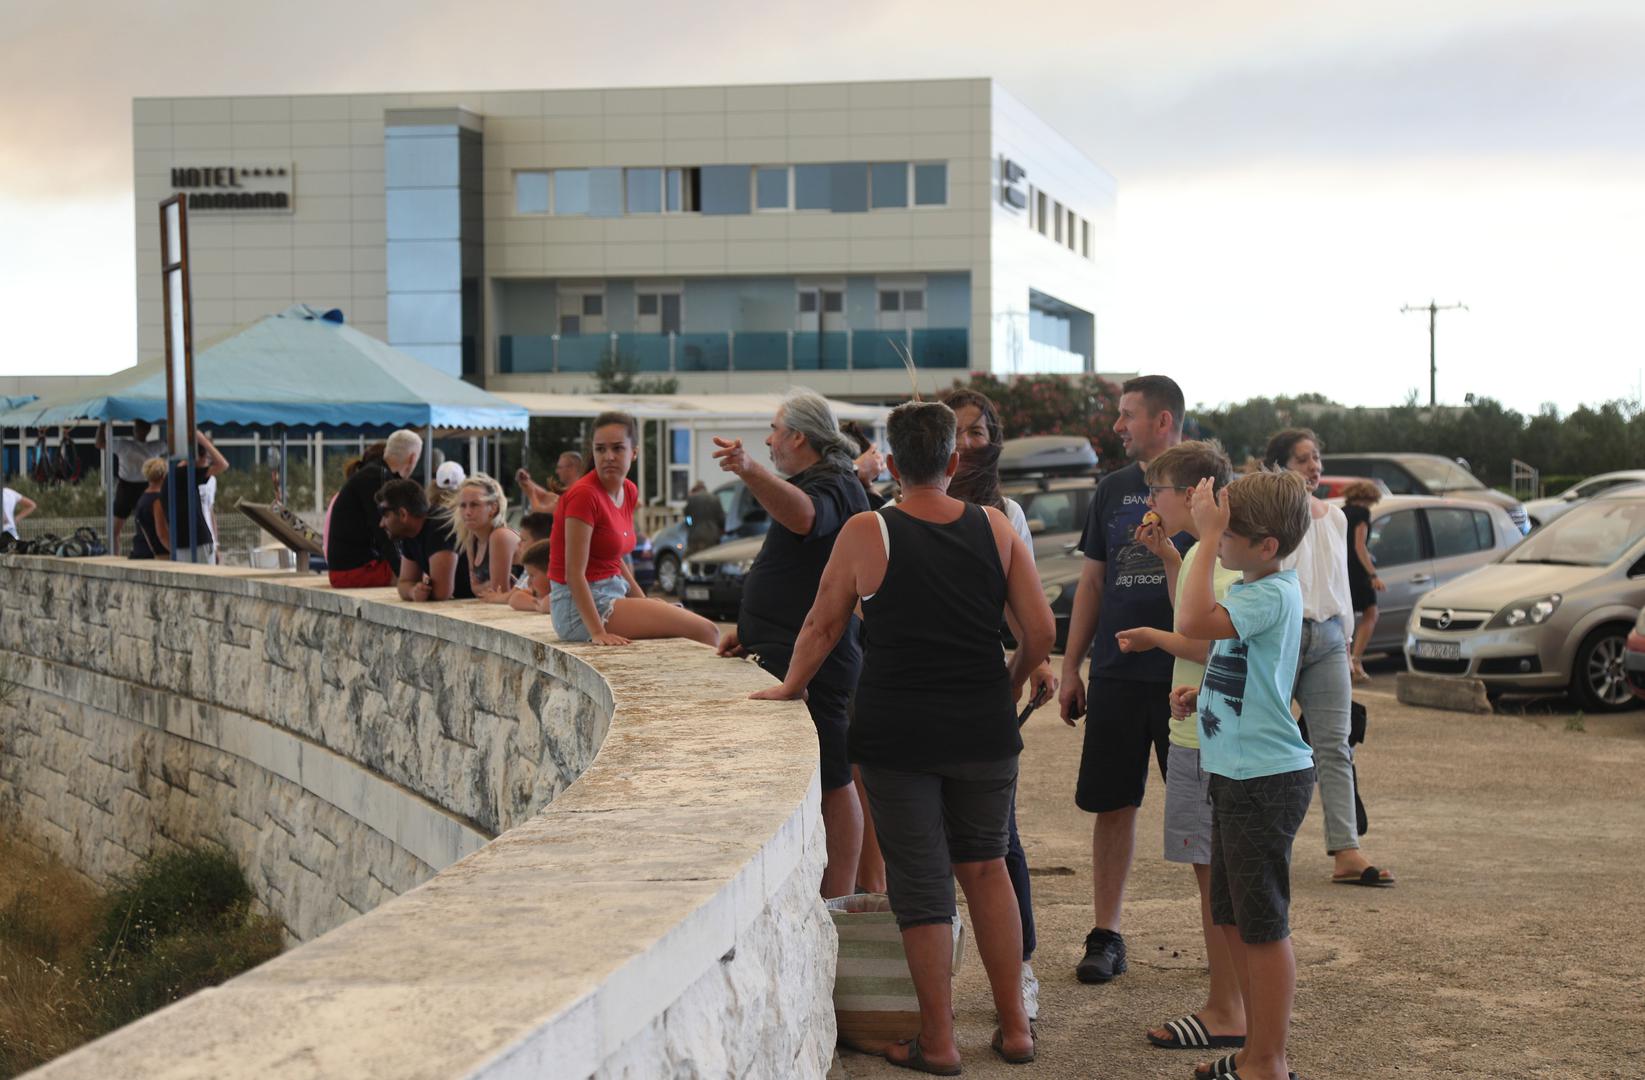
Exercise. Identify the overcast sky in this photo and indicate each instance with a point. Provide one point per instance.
(1290, 173)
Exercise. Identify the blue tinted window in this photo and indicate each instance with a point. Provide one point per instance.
(771, 188)
(725, 189)
(605, 192)
(890, 184)
(571, 191)
(931, 184)
(675, 181)
(645, 191)
(531, 193)
(811, 186)
(679, 450)
(848, 189)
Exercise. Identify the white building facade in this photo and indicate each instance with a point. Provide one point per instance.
(737, 238)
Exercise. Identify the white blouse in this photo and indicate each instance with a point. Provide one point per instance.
(1321, 563)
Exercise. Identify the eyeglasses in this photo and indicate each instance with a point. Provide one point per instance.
(1155, 489)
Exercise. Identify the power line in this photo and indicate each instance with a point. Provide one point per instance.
(1433, 309)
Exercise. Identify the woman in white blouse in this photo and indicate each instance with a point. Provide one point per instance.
(1324, 686)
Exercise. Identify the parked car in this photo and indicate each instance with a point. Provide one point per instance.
(744, 516)
(1047, 455)
(1543, 511)
(1060, 578)
(1332, 487)
(712, 579)
(1053, 507)
(1420, 542)
(1633, 662)
(1425, 474)
(1554, 613)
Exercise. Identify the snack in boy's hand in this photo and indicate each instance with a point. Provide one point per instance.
(1150, 518)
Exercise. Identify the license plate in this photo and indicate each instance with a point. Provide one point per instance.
(696, 592)
(1438, 650)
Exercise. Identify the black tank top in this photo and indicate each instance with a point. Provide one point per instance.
(934, 686)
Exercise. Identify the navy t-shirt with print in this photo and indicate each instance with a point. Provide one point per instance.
(1133, 592)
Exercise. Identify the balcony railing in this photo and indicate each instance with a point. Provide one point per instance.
(760, 350)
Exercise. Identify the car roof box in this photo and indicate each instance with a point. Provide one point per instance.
(1048, 455)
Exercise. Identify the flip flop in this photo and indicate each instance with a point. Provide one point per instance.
(1370, 877)
(1223, 1069)
(916, 1061)
(998, 1046)
(1190, 1033)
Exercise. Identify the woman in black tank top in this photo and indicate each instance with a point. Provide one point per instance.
(935, 729)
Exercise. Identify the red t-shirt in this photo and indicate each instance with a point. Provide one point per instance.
(586, 500)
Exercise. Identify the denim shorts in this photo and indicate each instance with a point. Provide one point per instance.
(562, 607)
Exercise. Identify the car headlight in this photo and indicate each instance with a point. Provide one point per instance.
(736, 569)
(1532, 612)
(1053, 593)
(689, 569)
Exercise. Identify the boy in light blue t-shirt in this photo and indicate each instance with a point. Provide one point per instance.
(1262, 774)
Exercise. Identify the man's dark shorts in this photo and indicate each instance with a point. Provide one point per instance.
(126, 494)
(1124, 720)
(830, 709)
(1253, 823)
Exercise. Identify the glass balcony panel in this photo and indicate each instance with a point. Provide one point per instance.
(942, 347)
(877, 349)
(525, 354)
(581, 352)
(643, 352)
(703, 352)
(821, 351)
(762, 350)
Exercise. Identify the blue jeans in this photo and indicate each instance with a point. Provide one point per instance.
(1016, 865)
(562, 606)
(1324, 689)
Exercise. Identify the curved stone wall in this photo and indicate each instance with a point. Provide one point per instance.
(648, 904)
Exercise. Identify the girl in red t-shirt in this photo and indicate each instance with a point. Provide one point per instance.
(592, 592)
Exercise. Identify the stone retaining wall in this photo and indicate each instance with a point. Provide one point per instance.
(649, 905)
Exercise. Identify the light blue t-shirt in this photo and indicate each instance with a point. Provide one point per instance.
(1245, 725)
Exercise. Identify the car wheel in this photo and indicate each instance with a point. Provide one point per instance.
(668, 573)
(1598, 682)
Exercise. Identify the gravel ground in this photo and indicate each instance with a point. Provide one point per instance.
(1512, 945)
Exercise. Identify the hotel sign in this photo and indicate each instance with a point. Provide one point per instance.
(235, 188)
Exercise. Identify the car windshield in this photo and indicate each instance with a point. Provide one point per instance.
(1439, 475)
(1593, 534)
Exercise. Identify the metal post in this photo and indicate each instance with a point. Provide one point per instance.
(428, 454)
(285, 458)
(318, 455)
(108, 490)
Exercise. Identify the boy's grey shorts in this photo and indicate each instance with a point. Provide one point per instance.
(1187, 808)
(929, 820)
(1253, 824)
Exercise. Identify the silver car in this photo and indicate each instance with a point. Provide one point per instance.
(1543, 511)
(1419, 542)
(1554, 613)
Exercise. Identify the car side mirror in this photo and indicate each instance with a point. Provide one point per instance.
(1571, 496)
(1035, 526)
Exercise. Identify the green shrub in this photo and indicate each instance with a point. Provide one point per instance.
(188, 888)
(183, 961)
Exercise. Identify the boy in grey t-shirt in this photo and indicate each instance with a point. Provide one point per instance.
(1262, 775)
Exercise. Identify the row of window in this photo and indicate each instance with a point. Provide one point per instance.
(1059, 223)
(841, 188)
(817, 307)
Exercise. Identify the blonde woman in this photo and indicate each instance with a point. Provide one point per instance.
(485, 543)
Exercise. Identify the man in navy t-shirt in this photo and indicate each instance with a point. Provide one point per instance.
(1122, 586)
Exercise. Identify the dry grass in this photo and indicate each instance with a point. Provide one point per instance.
(49, 916)
(76, 963)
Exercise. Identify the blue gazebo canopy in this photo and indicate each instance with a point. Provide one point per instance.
(301, 369)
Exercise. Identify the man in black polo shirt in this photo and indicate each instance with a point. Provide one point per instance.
(428, 545)
(807, 511)
(359, 554)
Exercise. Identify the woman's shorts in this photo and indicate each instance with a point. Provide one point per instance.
(562, 607)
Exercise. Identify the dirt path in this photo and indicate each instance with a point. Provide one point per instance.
(1514, 943)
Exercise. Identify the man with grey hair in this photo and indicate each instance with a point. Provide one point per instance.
(359, 554)
(807, 510)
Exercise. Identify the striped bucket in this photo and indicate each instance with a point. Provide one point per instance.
(874, 1000)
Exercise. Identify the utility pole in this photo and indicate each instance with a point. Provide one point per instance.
(1433, 309)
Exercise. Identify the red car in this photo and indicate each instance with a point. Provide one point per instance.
(1332, 487)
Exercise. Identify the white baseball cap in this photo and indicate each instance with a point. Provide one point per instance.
(449, 477)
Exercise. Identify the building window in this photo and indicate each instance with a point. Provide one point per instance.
(1073, 218)
(724, 189)
(658, 309)
(901, 304)
(1039, 201)
(888, 185)
(1056, 223)
(771, 187)
(593, 305)
(1032, 218)
(674, 199)
(913, 300)
(582, 310)
(531, 193)
(571, 191)
(842, 189)
(1085, 238)
(890, 300)
(605, 193)
(645, 191)
(931, 184)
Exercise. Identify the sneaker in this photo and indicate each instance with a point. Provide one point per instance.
(1104, 957)
(1030, 991)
